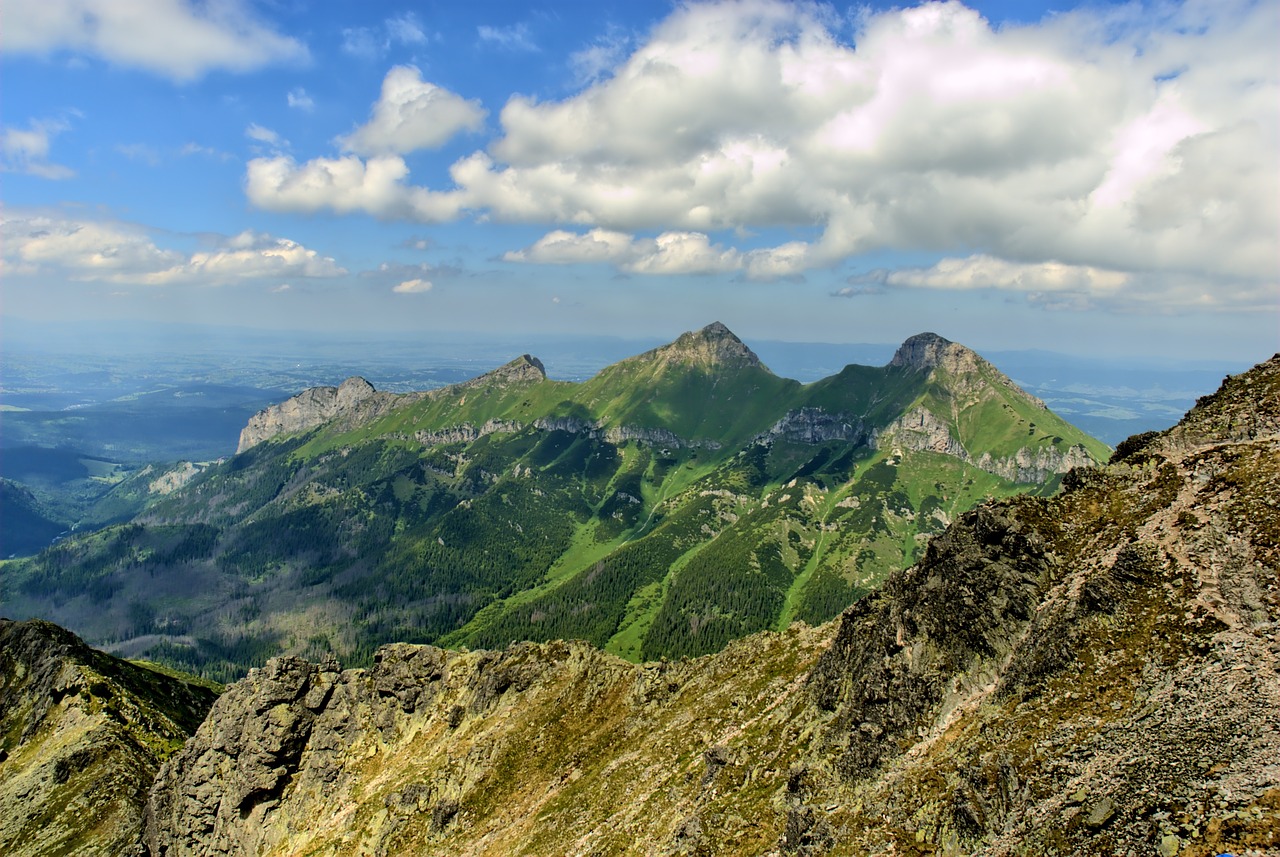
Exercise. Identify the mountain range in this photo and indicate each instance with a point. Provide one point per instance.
(677, 500)
(1096, 672)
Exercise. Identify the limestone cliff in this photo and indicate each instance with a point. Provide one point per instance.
(308, 409)
(82, 735)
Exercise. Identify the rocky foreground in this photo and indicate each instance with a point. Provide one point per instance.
(1096, 673)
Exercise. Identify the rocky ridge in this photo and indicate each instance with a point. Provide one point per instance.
(310, 408)
(355, 400)
(1098, 672)
(82, 736)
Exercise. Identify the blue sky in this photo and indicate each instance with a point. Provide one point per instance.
(1094, 179)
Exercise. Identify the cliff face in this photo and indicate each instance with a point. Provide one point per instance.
(308, 409)
(81, 738)
(1096, 673)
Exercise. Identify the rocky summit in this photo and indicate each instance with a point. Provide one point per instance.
(1093, 673)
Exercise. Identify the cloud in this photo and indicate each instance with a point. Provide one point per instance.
(406, 29)
(346, 185)
(265, 135)
(177, 39)
(514, 37)
(300, 100)
(412, 114)
(27, 151)
(414, 286)
(362, 42)
(1141, 141)
(598, 59)
(668, 253)
(190, 149)
(86, 250)
(1054, 285)
(370, 43)
(987, 272)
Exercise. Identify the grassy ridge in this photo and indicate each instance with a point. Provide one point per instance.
(707, 524)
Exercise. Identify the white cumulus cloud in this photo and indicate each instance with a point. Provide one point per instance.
(1138, 140)
(668, 253)
(413, 114)
(345, 185)
(179, 39)
(414, 286)
(87, 250)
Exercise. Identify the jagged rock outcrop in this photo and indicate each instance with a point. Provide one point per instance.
(815, 425)
(438, 752)
(466, 432)
(82, 735)
(308, 409)
(356, 401)
(920, 430)
(1094, 673)
(620, 434)
(525, 369)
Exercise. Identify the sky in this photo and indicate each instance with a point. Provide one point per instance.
(1098, 179)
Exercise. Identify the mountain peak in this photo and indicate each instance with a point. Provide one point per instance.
(713, 345)
(923, 351)
(524, 369)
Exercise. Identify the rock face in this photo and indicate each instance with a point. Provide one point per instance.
(525, 369)
(815, 425)
(82, 735)
(923, 431)
(437, 752)
(308, 409)
(1095, 673)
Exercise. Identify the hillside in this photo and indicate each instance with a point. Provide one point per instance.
(680, 499)
(82, 735)
(1092, 673)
